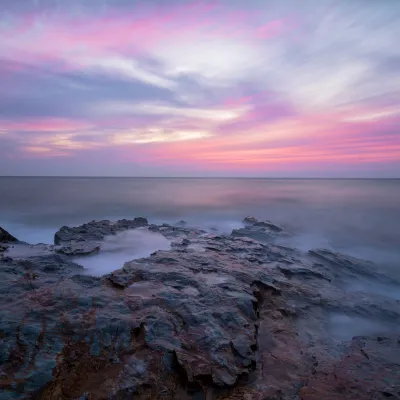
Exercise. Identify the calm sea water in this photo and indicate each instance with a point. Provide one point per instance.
(357, 217)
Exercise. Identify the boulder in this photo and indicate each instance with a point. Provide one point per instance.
(250, 220)
(6, 237)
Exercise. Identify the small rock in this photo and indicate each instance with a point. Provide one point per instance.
(269, 225)
(181, 223)
(3, 247)
(141, 221)
(250, 220)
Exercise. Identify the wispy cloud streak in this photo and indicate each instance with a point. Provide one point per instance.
(224, 87)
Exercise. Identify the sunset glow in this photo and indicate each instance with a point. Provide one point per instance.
(214, 88)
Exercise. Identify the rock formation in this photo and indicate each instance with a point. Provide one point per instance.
(5, 237)
(217, 316)
(260, 230)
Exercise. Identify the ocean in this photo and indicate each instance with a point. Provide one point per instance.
(358, 217)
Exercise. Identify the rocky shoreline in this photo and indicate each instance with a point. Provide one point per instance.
(214, 317)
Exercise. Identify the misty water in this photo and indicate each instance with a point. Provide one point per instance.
(356, 217)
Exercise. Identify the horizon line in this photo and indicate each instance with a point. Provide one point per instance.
(195, 177)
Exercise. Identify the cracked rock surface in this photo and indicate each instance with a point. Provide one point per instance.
(214, 317)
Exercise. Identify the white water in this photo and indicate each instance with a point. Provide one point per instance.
(123, 247)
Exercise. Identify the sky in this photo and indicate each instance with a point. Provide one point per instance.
(253, 88)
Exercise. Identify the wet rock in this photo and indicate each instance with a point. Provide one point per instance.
(344, 267)
(154, 228)
(3, 247)
(260, 230)
(96, 230)
(6, 237)
(181, 243)
(78, 249)
(269, 225)
(250, 220)
(305, 273)
(364, 371)
(133, 375)
(216, 314)
(341, 260)
(181, 223)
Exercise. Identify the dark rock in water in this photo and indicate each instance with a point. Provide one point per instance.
(260, 230)
(3, 247)
(347, 266)
(250, 220)
(307, 273)
(341, 260)
(6, 237)
(181, 223)
(96, 230)
(78, 249)
(216, 315)
(154, 228)
(269, 225)
(141, 221)
(181, 243)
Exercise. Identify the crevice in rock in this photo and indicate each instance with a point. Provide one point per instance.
(261, 289)
(199, 384)
(138, 335)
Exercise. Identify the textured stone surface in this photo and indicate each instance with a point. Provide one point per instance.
(6, 237)
(78, 249)
(260, 230)
(217, 316)
(3, 247)
(96, 230)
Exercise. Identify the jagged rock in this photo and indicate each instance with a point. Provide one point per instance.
(342, 261)
(250, 220)
(216, 315)
(96, 230)
(78, 249)
(345, 267)
(181, 223)
(181, 243)
(262, 232)
(3, 247)
(307, 273)
(270, 226)
(6, 237)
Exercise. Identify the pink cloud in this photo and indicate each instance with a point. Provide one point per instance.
(270, 29)
(326, 141)
(131, 33)
(273, 130)
(45, 125)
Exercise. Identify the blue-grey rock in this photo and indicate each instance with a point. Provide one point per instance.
(224, 313)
